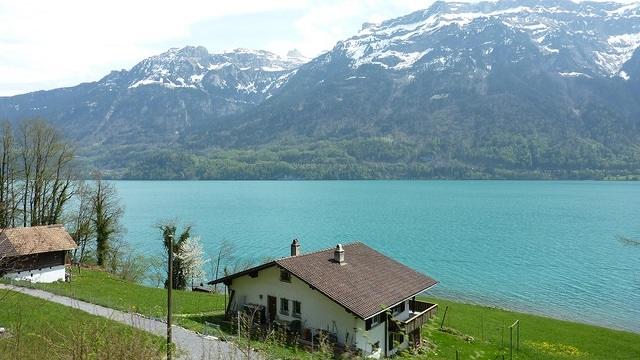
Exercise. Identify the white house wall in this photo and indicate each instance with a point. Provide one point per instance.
(401, 316)
(45, 275)
(317, 310)
(378, 332)
(368, 338)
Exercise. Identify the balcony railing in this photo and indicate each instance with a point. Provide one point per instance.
(420, 313)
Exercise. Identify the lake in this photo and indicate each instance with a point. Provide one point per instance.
(547, 247)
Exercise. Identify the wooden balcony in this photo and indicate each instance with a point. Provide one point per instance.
(420, 313)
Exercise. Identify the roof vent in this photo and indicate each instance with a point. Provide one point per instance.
(295, 247)
(338, 254)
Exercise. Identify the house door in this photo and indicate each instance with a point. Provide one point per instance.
(271, 307)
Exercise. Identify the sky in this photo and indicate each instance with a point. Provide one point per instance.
(50, 44)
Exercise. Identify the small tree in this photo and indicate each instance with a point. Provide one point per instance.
(191, 254)
(81, 226)
(106, 216)
(168, 232)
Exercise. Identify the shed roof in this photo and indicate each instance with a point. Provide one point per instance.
(35, 240)
(366, 283)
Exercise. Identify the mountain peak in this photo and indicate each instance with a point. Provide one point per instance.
(433, 39)
(295, 53)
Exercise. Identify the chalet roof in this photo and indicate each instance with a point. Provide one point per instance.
(34, 240)
(365, 284)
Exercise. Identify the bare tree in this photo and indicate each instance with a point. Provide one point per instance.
(226, 253)
(9, 194)
(81, 225)
(46, 176)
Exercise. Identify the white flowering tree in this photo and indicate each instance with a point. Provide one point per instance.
(192, 256)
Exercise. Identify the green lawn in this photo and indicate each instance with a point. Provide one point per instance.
(190, 309)
(484, 330)
(475, 330)
(38, 329)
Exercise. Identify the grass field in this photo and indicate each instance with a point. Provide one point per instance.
(540, 337)
(38, 329)
(476, 332)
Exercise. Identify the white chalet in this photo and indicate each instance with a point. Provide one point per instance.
(358, 298)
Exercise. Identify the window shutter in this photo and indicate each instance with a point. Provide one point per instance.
(368, 324)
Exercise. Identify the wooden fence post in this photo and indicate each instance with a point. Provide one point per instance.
(518, 337)
(444, 316)
(510, 342)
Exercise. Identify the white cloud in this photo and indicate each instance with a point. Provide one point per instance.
(46, 44)
(323, 24)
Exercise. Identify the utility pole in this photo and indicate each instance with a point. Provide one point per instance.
(169, 289)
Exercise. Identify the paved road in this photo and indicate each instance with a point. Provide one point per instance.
(193, 345)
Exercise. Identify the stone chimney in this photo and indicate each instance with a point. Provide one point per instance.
(295, 247)
(338, 254)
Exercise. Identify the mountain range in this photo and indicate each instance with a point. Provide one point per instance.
(506, 89)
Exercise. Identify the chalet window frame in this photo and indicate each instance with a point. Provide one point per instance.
(296, 312)
(285, 276)
(284, 306)
(374, 321)
(395, 339)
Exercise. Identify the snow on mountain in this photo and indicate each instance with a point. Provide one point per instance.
(598, 37)
(243, 71)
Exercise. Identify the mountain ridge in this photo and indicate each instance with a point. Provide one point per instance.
(489, 89)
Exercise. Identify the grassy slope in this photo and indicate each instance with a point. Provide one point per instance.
(101, 288)
(541, 338)
(44, 330)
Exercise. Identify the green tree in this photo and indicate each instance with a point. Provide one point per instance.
(107, 213)
(179, 272)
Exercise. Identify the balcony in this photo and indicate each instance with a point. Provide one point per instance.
(419, 313)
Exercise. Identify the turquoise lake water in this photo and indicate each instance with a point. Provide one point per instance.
(549, 248)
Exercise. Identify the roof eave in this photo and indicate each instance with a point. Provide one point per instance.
(242, 273)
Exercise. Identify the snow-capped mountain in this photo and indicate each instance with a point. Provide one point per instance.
(249, 74)
(526, 84)
(576, 39)
(162, 97)
(472, 77)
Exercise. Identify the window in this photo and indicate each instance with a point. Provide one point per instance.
(296, 309)
(395, 339)
(285, 275)
(372, 322)
(398, 308)
(284, 306)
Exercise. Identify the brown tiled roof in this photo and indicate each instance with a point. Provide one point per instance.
(34, 240)
(365, 284)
